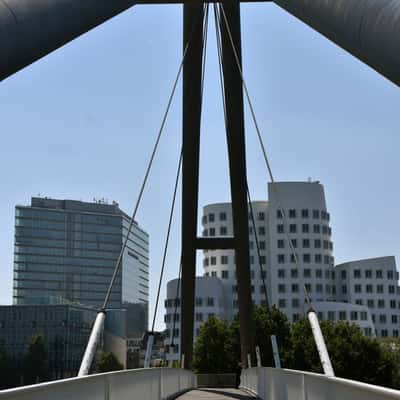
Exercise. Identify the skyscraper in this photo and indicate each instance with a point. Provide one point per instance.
(67, 249)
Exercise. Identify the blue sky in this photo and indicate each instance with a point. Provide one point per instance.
(81, 123)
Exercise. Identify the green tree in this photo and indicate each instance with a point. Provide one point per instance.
(35, 364)
(267, 321)
(211, 353)
(107, 362)
(8, 373)
(353, 355)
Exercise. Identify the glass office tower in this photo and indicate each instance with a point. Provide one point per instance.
(67, 249)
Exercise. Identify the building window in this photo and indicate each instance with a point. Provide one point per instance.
(357, 273)
(315, 214)
(307, 273)
(363, 316)
(294, 273)
(316, 228)
(281, 258)
(213, 260)
(394, 319)
(324, 229)
(392, 303)
(305, 228)
(331, 315)
(390, 274)
(199, 302)
(251, 260)
(379, 274)
(308, 287)
(381, 303)
(262, 245)
(391, 289)
(294, 243)
(359, 302)
(262, 260)
(342, 315)
(261, 230)
(280, 228)
(318, 273)
(295, 288)
(223, 230)
(282, 303)
(370, 303)
(319, 288)
(292, 258)
(212, 231)
(261, 216)
(225, 274)
(326, 259)
(296, 317)
(382, 318)
(281, 288)
(343, 274)
(395, 333)
(281, 244)
(279, 214)
(263, 274)
(304, 213)
(224, 260)
(222, 216)
(292, 213)
(357, 288)
(295, 303)
(251, 245)
(326, 245)
(211, 217)
(306, 258)
(317, 243)
(292, 228)
(344, 289)
(368, 274)
(369, 289)
(214, 273)
(281, 273)
(199, 317)
(318, 260)
(306, 243)
(379, 288)
(204, 219)
(206, 262)
(353, 315)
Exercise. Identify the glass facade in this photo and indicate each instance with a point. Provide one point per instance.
(68, 249)
(65, 329)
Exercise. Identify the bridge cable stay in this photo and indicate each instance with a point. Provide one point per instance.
(220, 63)
(312, 316)
(97, 328)
(150, 340)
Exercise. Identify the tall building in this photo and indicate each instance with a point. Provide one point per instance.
(295, 219)
(68, 249)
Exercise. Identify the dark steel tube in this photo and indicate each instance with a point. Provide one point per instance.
(30, 29)
(368, 29)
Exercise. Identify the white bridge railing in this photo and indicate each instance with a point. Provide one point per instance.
(149, 384)
(284, 384)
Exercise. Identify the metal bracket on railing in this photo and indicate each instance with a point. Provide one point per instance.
(275, 351)
(93, 342)
(258, 355)
(320, 342)
(147, 358)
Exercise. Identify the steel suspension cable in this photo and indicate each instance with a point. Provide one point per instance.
(266, 160)
(171, 216)
(219, 48)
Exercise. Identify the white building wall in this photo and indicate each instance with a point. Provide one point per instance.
(304, 221)
(373, 283)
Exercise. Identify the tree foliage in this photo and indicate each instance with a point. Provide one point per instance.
(8, 373)
(211, 352)
(107, 362)
(35, 363)
(353, 355)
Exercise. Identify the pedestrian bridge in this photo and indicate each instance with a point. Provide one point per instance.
(174, 383)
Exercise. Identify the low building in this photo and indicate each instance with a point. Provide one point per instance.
(65, 329)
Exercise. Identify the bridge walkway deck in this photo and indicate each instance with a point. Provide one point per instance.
(216, 394)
